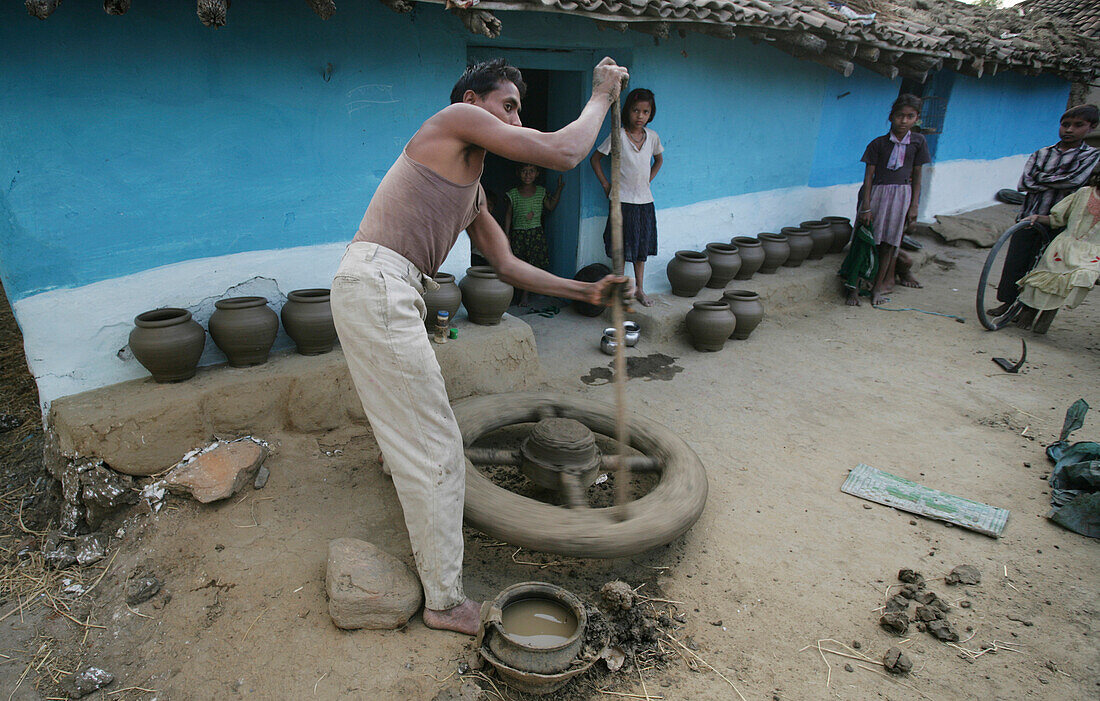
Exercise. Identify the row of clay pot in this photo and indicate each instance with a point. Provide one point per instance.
(735, 316)
(485, 296)
(744, 256)
(169, 343)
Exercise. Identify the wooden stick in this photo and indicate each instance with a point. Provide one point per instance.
(615, 214)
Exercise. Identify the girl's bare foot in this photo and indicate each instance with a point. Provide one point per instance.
(907, 280)
(464, 618)
(643, 298)
(878, 296)
(852, 300)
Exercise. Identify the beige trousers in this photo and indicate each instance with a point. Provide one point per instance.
(379, 314)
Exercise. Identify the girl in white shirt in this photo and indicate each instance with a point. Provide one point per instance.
(641, 159)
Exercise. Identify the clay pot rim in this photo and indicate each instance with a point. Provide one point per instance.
(443, 278)
(309, 295)
(240, 302)
(814, 224)
(711, 305)
(482, 271)
(794, 231)
(726, 248)
(769, 236)
(839, 220)
(542, 590)
(162, 317)
(745, 295)
(694, 256)
(745, 241)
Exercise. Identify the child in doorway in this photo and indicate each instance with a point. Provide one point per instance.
(641, 159)
(523, 218)
(890, 194)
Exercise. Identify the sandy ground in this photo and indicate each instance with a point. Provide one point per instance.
(780, 559)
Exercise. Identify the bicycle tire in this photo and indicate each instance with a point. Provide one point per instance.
(996, 323)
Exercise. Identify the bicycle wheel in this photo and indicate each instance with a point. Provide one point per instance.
(991, 277)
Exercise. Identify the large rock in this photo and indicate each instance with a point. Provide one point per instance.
(219, 473)
(367, 587)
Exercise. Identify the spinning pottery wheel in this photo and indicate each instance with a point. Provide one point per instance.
(559, 454)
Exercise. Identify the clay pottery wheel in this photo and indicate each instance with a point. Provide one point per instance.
(776, 251)
(842, 232)
(822, 236)
(688, 272)
(752, 256)
(748, 310)
(801, 244)
(485, 296)
(168, 343)
(244, 328)
(709, 324)
(307, 318)
(447, 298)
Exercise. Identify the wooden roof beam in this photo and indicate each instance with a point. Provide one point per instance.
(479, 21)
(323, 8)
(722, 31)
(398, 6)
(658, 30)
(41, 8)
(116, 7)
(921, 63)
(886, 70)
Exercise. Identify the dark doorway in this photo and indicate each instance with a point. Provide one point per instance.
(934, 92)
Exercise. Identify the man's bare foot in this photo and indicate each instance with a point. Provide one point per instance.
(643, 298)
(878, 296)
(464, 618)
(908, 280)
(852, 299)
(382, 464)
(999, 310)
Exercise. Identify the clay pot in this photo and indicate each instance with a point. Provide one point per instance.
(801, 244)
(709, 324)
(244, 328)
(822, 236)
(725, 261)
(168, 343)
(447, 298)
(842, 232)
(752, 256)
(748, 310)
(776, 251)
(307, 318)
(688, 271)
(485, 296)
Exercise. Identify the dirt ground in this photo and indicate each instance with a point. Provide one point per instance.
(780, 560)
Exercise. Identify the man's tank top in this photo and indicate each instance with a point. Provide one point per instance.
(419, 213)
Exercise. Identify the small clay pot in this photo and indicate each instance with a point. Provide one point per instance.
(725, 261)
(776, 251)
(447, 298)
(709, 324)
(307, 318)
(748, 310)
(688, 271)
(800, 244)
(485, 296)
(168, 343)
(752, 256)
(842, 232)
(244, 328)
(822, 236)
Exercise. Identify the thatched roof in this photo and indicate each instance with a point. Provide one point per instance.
(910, 38)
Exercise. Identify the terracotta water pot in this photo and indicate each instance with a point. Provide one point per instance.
(709, 324)
(822, 236)
(485, 296)
(447, 298)
(168, 343)
(842, 232)
(688, 271)
(725, 261)
(801, 244)
(307, 318)
(748, 310)
(776, 251)
(244, 328)
(752, 256)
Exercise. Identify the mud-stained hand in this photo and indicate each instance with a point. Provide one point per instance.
(864, 217)
(608, 79)
(599, 292)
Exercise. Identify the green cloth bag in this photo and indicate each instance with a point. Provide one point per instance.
(860, 266)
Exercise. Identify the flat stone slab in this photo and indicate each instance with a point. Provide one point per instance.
(980, 228)
(219, 473)
(369, 588)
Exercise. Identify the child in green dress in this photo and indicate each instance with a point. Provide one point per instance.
(523, 218)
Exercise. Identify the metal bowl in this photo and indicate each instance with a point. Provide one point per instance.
(608, 344)
(631, 333)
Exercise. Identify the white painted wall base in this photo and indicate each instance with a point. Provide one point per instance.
(76, 339)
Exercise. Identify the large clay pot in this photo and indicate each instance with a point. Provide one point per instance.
(748, 310)
(800, 243)
(725, 261)
(822, 236)
(842, 232)
(447, 298)
(485, 296)
(688, 271)
(307, 318)
(709, 324)
(776, 251)
(244, 328)
(168, 343)
(752, 256)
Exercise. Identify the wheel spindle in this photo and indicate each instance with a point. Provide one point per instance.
(493, 456)
(634, 463)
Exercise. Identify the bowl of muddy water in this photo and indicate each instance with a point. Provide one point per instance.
(536, 627)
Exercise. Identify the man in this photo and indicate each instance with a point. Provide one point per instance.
(422, 204)
(1050, 175)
